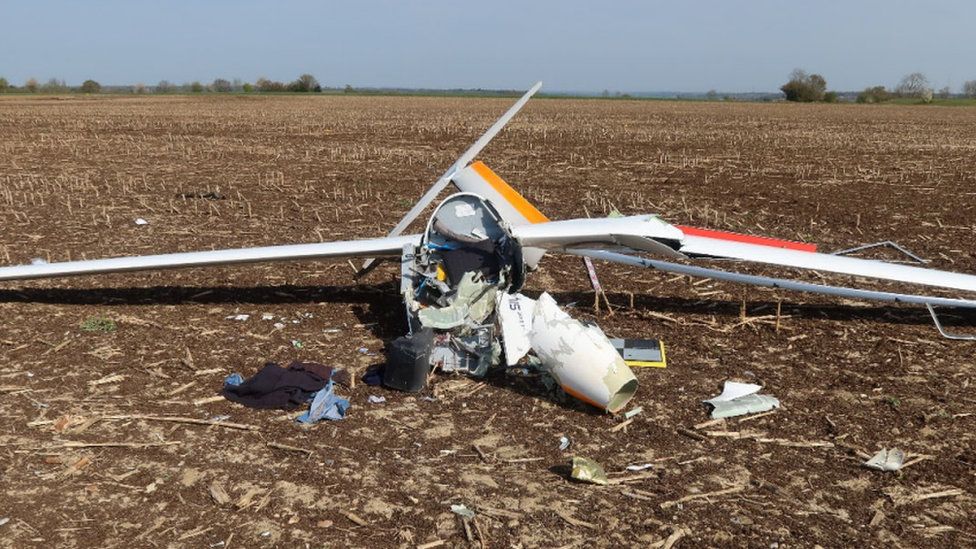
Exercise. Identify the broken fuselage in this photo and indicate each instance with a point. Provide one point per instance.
(460, 289)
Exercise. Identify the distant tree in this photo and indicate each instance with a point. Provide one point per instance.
(196, 87)
(221, 85)
(90, 86)
(236, 85)
(31, 85)
(712, 95)
(945, 93)
(912, 85)
(928, 94)
(969, 89)
(804, 87)
(165, 86)
(830, 97)
(247, 87)
(53, 85)
(139, 88)
(309, 83)
(876, 94)
(4, 85)
(348, 89)
(264, 85)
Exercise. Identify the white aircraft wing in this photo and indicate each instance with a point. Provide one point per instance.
(389, 246)
(603, 238)
(852, 293)
(714, 248)
(646, 233)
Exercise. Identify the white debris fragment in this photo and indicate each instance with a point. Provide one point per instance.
(278, 325)
(462, 510)
(515, 318)
(886, 460)
(267, 316)
(739, 399)
(141, 221)
(564, 443)
(4, 521)
(241, 318)
(641, 467)
(38, 261)
(376, 400)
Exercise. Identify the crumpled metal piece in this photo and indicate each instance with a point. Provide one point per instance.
(886, 460)
(739, 399)
(587, 470)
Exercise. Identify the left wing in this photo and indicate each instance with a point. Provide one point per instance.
(389, 246)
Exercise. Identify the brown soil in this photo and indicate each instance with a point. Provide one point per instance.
(853, 377)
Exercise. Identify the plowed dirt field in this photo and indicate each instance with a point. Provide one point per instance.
(91, 455)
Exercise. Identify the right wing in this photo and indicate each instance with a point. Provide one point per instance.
(376, 247)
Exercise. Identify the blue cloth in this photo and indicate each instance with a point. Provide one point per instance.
(325, 406)
(233, 380)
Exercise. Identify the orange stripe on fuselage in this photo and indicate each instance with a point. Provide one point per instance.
(523, 206)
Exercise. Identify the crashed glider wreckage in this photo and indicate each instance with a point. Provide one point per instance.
(462, 275)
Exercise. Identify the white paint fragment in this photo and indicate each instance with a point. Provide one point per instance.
(240, 318)
(739, 399)
(886, 460)
(515, 318)
(141, 221)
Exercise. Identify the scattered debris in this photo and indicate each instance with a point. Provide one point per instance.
(141, 221)
(564, 443)
(240, 317)
(325, 405)
(641, 467)
(886, 460)
(641, 352)
(376, 399)
(274, 387)
(633, 412)
(587, 470)
(738, 399)
(462, 510)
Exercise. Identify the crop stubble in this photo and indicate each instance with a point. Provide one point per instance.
(87, 461)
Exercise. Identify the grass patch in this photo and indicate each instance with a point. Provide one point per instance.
(98, 323)
(951, 102)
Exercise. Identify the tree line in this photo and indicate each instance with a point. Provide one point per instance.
(305, 83)
(805, 88)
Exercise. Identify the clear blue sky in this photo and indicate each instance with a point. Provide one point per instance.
(572, 45)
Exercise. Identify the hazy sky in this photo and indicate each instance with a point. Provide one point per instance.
(572, 45)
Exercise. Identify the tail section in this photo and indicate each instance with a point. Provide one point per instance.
(513, 207)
